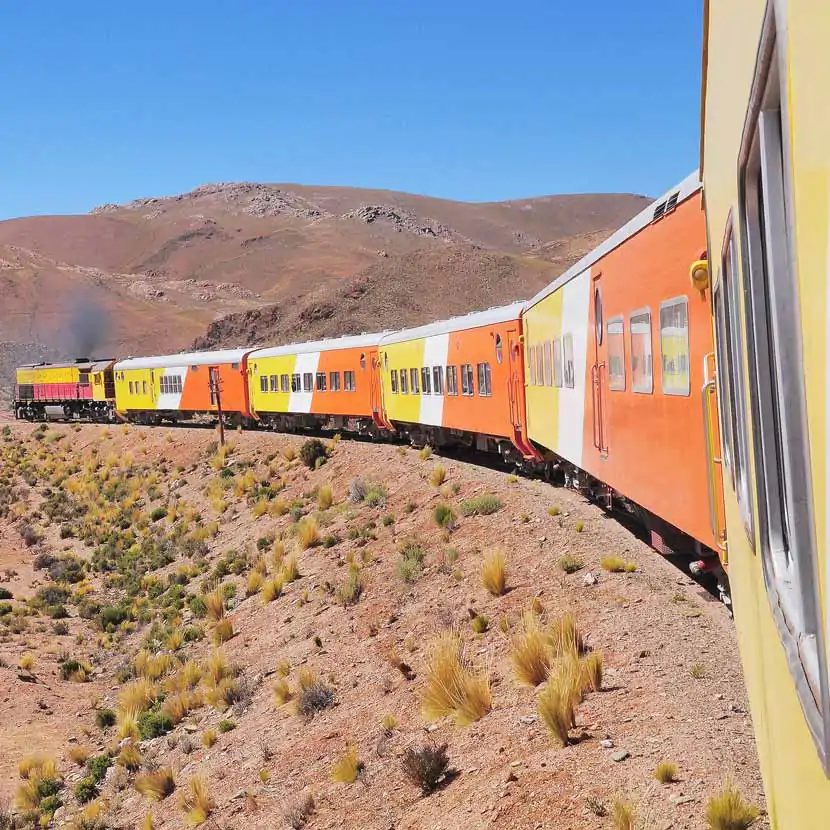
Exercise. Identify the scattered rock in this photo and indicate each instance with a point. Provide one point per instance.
(621, 755)
(607, 744)
(589, 579)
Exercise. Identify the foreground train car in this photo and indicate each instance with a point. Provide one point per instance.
(182, 387)
(766, 175)
(615, 352)
(459, 381)
(313, 385)
(82, 390)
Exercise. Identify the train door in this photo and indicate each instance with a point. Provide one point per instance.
(514, 378)
(376, 391)
(153, 387)
(599, 373)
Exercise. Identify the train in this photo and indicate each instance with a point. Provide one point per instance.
(678, 371)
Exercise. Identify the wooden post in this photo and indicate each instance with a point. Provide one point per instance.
(216, 393)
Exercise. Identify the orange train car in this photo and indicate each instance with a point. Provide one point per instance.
(183, 386)
(459, 381)
(324, 383)
(620, 360)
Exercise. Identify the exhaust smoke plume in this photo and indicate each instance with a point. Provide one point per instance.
(88, 327)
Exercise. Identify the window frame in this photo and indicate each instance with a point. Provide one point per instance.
(349, 380)
(296, 382)
(334, 381)
(640, 388)
(468, 382)
(437, 380)
(615, 382)
(308, 382)
(484, 378)
(320, 384)
(404, 382)
(683, 300)
(557, 362)
(414, 381)
(547, 349)
(452, 380)
(778, 403)
(531, 364)
(275, 383)
(426, 380)
(285, 383)
(393, 381)
(568, 364)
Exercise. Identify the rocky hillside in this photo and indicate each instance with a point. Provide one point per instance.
(155, 273)
(350, 635)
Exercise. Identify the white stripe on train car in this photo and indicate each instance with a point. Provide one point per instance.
(575, 304)
(300, 402)
(435, 354)
(171, 400)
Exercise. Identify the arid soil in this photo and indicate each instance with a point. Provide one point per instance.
(672, 686)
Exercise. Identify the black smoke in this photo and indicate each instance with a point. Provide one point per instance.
(88, 326)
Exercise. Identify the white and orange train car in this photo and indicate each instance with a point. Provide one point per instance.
(618, 356)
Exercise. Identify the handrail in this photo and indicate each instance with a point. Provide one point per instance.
(709, 389)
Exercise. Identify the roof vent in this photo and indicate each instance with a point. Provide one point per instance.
(672, 202)
(659, 212)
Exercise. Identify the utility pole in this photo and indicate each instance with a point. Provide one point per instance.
(215, 384)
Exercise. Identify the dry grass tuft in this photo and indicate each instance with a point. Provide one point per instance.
(254, 584)
(156, 785)
(617, 565)
(592, 671)
(282, 692)
(453, 686)
(623, 815)
(425, 453)
(216, 669)
(197, 801)
(556, 710)
(564, 635)
(27, 662)
(438, 475)
(215, 603)
(665, 772)
(272, 588)
(426, 766)
(137, 696)
(531, 654)
(178, 705)
(325, 497)
(277, 554)
(37, 766)
(297, 813)
(727, 810)
(127, 724)
(346, 770)
(79, 755)
(208, 738)
(494, 573)
(222, 632)
(291, 569)
(308, 533)
(130, 757)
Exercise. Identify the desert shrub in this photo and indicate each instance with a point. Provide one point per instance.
(197, 801)
(97, 767)
(698, 671)
(311, 450)
(282, 692)
(156, 785)
(104, 718)
(130, 757)
(570, 563)
(68, 569)
(615, 564)
(215, 604)
(254, 583)
(226, 726)
(665, 772)
(308, 532)
(75, 670)
(198, 607)
(291, 569)
(79, 755)
(325, 497)
(30, 535)
(453, 686)
(222, 632)
(348, 593)
(579, 526)
(86, 789)
(154, 724)
(27, 662)
(727, 810)
(438, 475)
(60, 628)
(52, 595)
(425, 453)
(110, 617)
(444, 516)
(272, 588)
(410, 565)
(5, 593)
(494, 573)
(158, 513)
(426, 766)
(298, 812)
(480, 623)
(481, 505)
(313, 698)
(348, 766)
(623, 814)
(555, 708)
(57, 612)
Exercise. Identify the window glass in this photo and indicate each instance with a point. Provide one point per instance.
(548, 357)
(334, 381)
(413, 381)
(674, 346)
(404, 382)
(295, 383)
(467, 380)
(285, 383)
(499, 351)
(363, 360)
(615, 329)
(438, 380)
(321, 381)
(274, 383)
(485, 388)
(393, 381)
(144, 386)
(557, 362)
(349, 383)
(452, 380)
(308, 382)
(426, 380)
(163, 384)
(642, 377)
(131, 387)
(234, 365)
(568, 359)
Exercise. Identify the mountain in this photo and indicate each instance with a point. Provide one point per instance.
(262, 261)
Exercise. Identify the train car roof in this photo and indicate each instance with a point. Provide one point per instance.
(354, 341)
(499, 314)
(688, 187)
(183, 359)
(94, 365)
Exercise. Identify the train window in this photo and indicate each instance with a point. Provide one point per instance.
(598, 315)
(363, 360)
(414, 383)
(131, 387)
(285, 384)
(467, 380)
(334, 381)
(386, 360)
(499, 351)
(452, 380)
(163, 385)
(557, 362)
(178, 384)
(568, 359)
(263, 383)
(438, 380)
(83, 379)
(349, 384)
(295, 383)
(426, 380)
(776, 382)
(393, 381)
(404, 382)
(674, 346)
(531, 365)
(642, 372)
(615, 329)
(308, 382)
(485, 385)
(548, 350)
(321, 381)
(540, 366)
(274, 383)
(234, 365)
(144, 387)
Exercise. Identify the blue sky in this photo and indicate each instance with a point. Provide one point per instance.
(486, 100)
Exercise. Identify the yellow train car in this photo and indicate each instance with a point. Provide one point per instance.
(766, 177)
(82, 390)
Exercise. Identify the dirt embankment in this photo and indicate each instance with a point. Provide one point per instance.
(176, 521)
